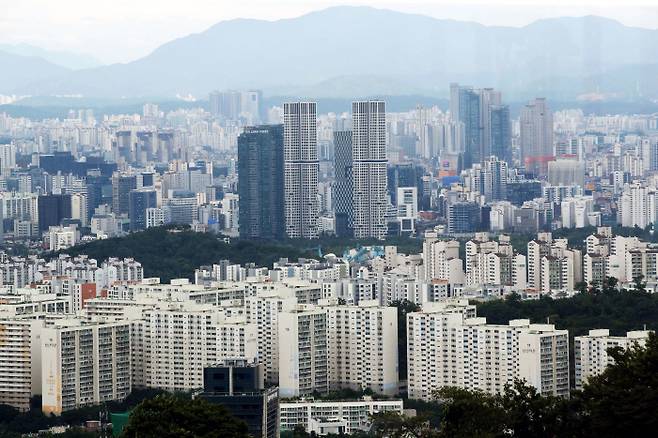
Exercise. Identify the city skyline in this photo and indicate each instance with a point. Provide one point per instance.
(356, 222)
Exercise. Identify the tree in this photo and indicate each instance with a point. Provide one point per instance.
(623, 400)
(610, 285)
(470, 413)
(168, 416)
(520, 411)
(640, 286)
(529, 414)
(394, 425)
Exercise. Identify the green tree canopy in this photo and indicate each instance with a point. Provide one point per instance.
(168, 416)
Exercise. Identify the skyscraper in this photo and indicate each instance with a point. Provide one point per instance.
(301, 166)
(465, 104)
(488, 99)
(52, 209)
(7, 159)
(139, 201)
(486, 122)
(121, 187)
(494, 179)
(260, 182)
(536, 124)
(500, 133)
(225, 104)
(369, 178)
(343, 189)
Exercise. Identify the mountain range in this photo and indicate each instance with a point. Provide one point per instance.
(360, 51)
(70, 60)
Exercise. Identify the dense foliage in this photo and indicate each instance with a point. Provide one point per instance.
(14, 423)
(170, 416)
(619, 311)
(175, 252)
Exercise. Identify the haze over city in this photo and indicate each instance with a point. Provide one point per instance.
(124, 30)
(296, 219)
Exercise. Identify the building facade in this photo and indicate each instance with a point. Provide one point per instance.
(369, 175)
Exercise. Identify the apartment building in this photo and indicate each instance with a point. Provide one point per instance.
(84, 364)
(363, 347)
(591, 351)
(303, 355)
(20, 361)
(174, 341)
(447, 346)
(356, 413)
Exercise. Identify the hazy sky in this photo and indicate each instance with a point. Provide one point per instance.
(122, 30)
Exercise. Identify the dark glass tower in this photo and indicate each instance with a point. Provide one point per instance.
(501, 139)
(469, 115)
(238, 385)
(260, 182)
(140, 200)
(52, 209)
(121, 187)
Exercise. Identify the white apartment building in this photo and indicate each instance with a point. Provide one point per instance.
(428, 365)
(578, 212)
(595, 268)
(543, 246)
(301, 166)
(79, 208)
(490, 262)
(174, 341)
(369, 174)
(20, 361)
(591, 351)
(303, 355)
(441, 259)
(356, 413)
(264, 311)
(362, 347)
(84, 364)
(561, 270)
(637, 205)
(21, 206)
(155, 217)
(58, 238)
(445, 348)
(398, 285)
(407, 208)
(544, 359)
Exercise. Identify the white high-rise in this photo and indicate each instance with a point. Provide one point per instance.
(591, 351)
(20, 361)
(441, 259)
(301, 166)
(363, 348)
(84, 364)
(303, 358)
(264, 311)
(536, 140)
(174, 341)
(447, 348)
(7, 159)
(369, 176)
